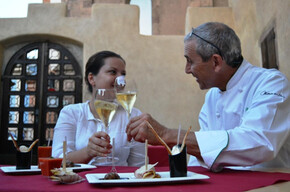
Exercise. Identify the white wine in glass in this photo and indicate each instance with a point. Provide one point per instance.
(127, 101)
(106, 107)
(126, 93)
(106, 111)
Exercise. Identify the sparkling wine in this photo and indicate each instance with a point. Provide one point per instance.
(127, 100)
(106, 111)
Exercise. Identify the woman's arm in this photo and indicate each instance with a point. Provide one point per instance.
(65, 129)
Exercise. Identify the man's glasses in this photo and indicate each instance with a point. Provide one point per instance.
(192, 33)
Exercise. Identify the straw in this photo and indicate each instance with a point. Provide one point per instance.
(14, 142)
(159, 138)
(178, 135)
(30, 147)
(146, 154)
(48, 143)
(183, 142)
(64, 156)
(113, 157)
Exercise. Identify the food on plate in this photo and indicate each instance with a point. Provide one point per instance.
(175, 150)
(112, 175)
(67, 177)
(149, 173)
(68, 164)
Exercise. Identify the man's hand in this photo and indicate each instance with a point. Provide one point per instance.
(138, 129)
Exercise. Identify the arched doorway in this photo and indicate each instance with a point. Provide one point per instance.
(38, 81)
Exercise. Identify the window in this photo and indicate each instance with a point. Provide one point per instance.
(39, 80)
(268, 48)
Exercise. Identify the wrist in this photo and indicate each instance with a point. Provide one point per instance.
(87, 153)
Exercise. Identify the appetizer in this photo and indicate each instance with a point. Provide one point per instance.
(149, 173)
(67, 177)
(68, 164)
(112, 175)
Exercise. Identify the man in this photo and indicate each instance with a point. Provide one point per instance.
(245, 120)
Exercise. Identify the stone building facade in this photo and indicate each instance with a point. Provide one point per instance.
(168, 16)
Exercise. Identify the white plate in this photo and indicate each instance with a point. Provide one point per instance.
(34, 169)
(12, 169)
(129, 178)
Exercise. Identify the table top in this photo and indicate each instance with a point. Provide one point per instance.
(227, 180)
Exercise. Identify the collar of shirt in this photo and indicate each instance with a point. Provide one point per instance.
(90, 115)
(238, 75)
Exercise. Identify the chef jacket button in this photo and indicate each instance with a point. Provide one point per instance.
(218, 115)
(240, 90)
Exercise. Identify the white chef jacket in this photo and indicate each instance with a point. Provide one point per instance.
(249, 123)
(77, 124)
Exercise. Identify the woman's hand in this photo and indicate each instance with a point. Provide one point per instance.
(99, 145)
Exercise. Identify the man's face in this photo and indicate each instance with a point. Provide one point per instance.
(202, 71)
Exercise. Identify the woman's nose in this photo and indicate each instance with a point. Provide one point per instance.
(187, 68)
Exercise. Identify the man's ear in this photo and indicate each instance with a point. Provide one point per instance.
(217, 62)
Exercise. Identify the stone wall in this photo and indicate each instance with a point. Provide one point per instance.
(168, 16)
(157, 62)
(83, 8)
(254, 19)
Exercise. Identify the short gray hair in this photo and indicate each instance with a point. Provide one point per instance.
(216, 38)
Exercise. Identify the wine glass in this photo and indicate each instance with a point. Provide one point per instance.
(106, 105)
(126, 89)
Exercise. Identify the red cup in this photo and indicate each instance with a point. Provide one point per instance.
(44, 151)
(46, 164)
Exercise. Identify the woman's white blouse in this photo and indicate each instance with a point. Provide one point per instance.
(77, 124)
(249, 123)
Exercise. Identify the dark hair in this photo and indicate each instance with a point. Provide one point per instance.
(96, 62)
(214, 37)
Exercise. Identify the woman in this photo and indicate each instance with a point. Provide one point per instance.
(81, 126)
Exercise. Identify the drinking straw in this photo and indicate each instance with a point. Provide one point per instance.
(14, 142)
(113, 152)
(30, 147)
(183, 142)
(146, 154)
(159, 138)
(178, 135)
(48, 143)
(64, 156)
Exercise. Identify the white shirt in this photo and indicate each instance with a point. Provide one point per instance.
(77, 124)
(249, 123)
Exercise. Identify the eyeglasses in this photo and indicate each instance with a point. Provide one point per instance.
(220, 52)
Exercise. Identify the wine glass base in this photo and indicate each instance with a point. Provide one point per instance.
(104, 160)
(130, 144)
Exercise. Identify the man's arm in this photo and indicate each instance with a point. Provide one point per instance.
(139, 130)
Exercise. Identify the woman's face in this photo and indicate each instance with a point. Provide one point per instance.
(112, 68)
